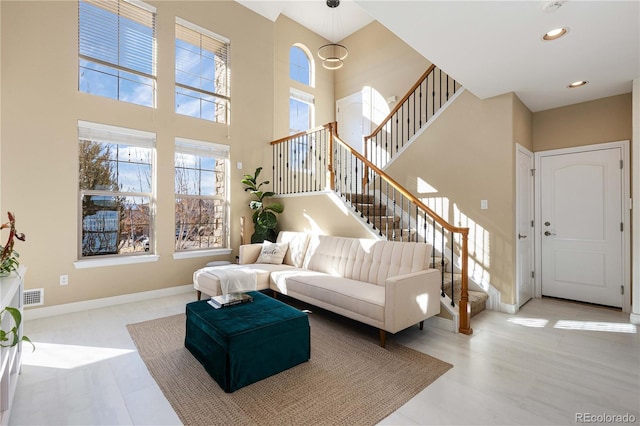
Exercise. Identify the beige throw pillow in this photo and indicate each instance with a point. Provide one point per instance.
(272, 252)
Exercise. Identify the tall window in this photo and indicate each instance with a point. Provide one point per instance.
(301, 118)
(116, 190)
(202, 73)
(117, 50)
(301, 111)
(300, 66)
(201, 195)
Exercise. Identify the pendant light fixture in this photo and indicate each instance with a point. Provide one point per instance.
(333, 54)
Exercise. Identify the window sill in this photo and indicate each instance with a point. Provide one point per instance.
(200, 253)
(114, 261)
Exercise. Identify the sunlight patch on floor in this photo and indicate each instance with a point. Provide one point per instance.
(529, 322)
(69, 356)
(612, 327)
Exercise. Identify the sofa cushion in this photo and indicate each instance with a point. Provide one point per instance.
(355, 296)
(298, 242)
(272, 252)
(365, 260)
(206, 280)
(386, 259)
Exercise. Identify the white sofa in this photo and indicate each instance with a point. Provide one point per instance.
(385, 284)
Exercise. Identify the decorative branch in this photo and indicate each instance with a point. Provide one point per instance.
(9, 257)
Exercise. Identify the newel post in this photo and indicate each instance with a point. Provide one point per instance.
(464, 308)
(331, 174)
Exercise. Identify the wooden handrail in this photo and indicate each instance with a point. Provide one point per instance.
(464, 309)
(399, 104)
(446, 225)
(332, 128)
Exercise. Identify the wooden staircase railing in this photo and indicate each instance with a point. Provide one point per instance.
(426, 97)
(318, 160)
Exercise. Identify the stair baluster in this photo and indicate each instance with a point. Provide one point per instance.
(355, 179)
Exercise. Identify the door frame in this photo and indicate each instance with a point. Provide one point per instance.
(626, 210)
(520, 148)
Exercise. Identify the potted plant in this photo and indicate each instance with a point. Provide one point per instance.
(8, 256)
(8, 264)
(264, 216)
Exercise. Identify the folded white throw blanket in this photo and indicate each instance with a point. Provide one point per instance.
(234, 280)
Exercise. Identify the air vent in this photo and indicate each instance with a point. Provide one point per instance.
(33, 297)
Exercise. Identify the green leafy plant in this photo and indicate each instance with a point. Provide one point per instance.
(8, 256)
(9, 263)
(12, 337)
(264, 216)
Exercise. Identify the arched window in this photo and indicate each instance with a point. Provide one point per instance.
(300, 65)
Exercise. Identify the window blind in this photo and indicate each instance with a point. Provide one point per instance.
(109, 134)
(202, 149)
(210, 51)
(118, 33)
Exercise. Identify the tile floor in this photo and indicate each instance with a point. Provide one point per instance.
(551, 362)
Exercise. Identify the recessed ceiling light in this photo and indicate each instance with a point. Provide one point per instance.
(552, 6)
(555, 34)
(577, 84)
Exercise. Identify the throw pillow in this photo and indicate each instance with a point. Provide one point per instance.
(272, 252)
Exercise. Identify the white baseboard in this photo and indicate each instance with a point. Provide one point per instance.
(49, 311)
(509, 308)
(634, 318)
(441, 323)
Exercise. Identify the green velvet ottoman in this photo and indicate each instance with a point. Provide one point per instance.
(242, 344)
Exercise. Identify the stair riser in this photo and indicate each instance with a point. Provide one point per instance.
(371, 210)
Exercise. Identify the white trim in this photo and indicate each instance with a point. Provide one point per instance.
(115, 134)
(142, 5)
(302, 96)
(635, 167)
(202, 30)
(522, 149)
(509, 308)
(494, 302)
(626, 217)
(200, 253)
(442, 323)
(86, 305)
(201, 148)
(114, 261)
(445, 302)
(634, 318)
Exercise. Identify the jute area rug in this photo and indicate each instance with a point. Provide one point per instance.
(349, 379)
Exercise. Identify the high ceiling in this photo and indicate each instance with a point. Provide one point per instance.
(496, 47)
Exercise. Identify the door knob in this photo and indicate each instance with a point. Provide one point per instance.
(520, 236)
(547, 233)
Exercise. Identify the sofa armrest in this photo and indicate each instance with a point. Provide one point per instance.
(411, 298)
(249, 253)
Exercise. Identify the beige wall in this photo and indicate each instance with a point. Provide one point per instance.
(467, 156)
(379, 59)
(522, 124)
(288, 33)
(41, 106)
(587, 123)
(323, 214)
(1, 209)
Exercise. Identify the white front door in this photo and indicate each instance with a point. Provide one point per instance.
(524, 225)
(581, 215)
(351, 121)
